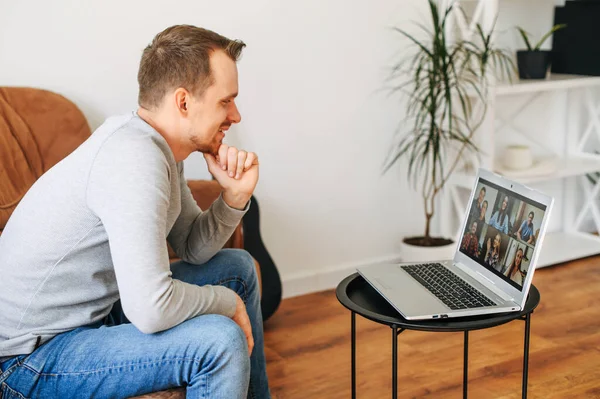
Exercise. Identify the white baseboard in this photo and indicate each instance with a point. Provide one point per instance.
(329, 278)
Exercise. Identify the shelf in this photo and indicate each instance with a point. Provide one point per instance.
(562, 247)
(565, 167)
(574, 99)
(554, 82)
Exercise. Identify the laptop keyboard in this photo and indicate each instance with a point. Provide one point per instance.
(447, 286)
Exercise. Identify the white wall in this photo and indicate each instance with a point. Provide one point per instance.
(310, 98)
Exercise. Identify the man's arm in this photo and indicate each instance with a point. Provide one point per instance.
(197, 236)
(519, 232)
(475, 249)
(530, 240)
(129, 190)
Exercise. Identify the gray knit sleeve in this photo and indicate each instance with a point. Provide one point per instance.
(129, 191)
(197, 236)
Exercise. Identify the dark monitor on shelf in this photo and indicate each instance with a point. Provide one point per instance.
(574, 49)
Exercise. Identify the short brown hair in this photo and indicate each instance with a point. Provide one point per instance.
(179, 57)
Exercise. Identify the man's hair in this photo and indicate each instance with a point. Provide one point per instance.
(179, 57)
(532, 214)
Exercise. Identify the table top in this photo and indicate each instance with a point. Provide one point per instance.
(356, 294)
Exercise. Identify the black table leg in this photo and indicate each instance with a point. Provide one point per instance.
(526, 354)
(394, 362)
(466, 365)
(353, 333)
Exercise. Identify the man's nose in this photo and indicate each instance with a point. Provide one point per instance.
(234, 114)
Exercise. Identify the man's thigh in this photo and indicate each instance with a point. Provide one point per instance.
(120, 361)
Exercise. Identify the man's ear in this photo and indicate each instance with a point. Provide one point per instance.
(182, 97)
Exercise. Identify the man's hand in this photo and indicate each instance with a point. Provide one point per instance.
(236, 171)
(242, 320)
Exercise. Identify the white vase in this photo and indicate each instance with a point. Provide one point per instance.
(416, 253)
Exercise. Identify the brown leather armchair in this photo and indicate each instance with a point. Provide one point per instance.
(38, 128)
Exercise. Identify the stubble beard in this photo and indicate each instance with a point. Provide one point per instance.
(206, 148)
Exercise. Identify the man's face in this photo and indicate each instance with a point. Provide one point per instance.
(211, 114)
(481, 196)
(530, 219)
(474, 228)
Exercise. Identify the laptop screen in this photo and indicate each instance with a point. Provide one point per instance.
(501, 231)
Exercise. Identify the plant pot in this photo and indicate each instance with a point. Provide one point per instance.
(533, 64)
(409, 252)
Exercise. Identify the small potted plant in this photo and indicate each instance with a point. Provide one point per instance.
(441, 79)
(534, 63)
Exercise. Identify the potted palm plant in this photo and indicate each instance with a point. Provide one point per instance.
(534, 63)
(441, 80)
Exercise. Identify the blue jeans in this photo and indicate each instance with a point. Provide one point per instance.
(208, 354)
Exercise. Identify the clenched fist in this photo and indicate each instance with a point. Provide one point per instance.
(236, 171)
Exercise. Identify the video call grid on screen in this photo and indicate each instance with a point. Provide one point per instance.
(502, 239)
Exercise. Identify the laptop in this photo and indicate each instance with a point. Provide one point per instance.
(501, 238)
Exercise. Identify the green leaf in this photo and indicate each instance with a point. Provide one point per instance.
(547, 35)
(525, 39)
(415, 41)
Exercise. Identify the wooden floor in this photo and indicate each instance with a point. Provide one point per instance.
(307, 343)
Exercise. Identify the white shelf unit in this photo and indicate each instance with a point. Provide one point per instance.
(578, 198)
(553, 82)
(562, 247)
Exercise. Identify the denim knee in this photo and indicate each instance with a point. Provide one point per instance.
(222, 338)
(243, 264)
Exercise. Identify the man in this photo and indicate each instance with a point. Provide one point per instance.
(90, 305)
(476, 206)
(525, 232)
(470, 242)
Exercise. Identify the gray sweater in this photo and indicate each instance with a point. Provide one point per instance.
(93, 229)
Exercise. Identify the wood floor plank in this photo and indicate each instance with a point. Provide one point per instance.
(307, 343)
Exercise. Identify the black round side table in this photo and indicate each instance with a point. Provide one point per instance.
(359, 297)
